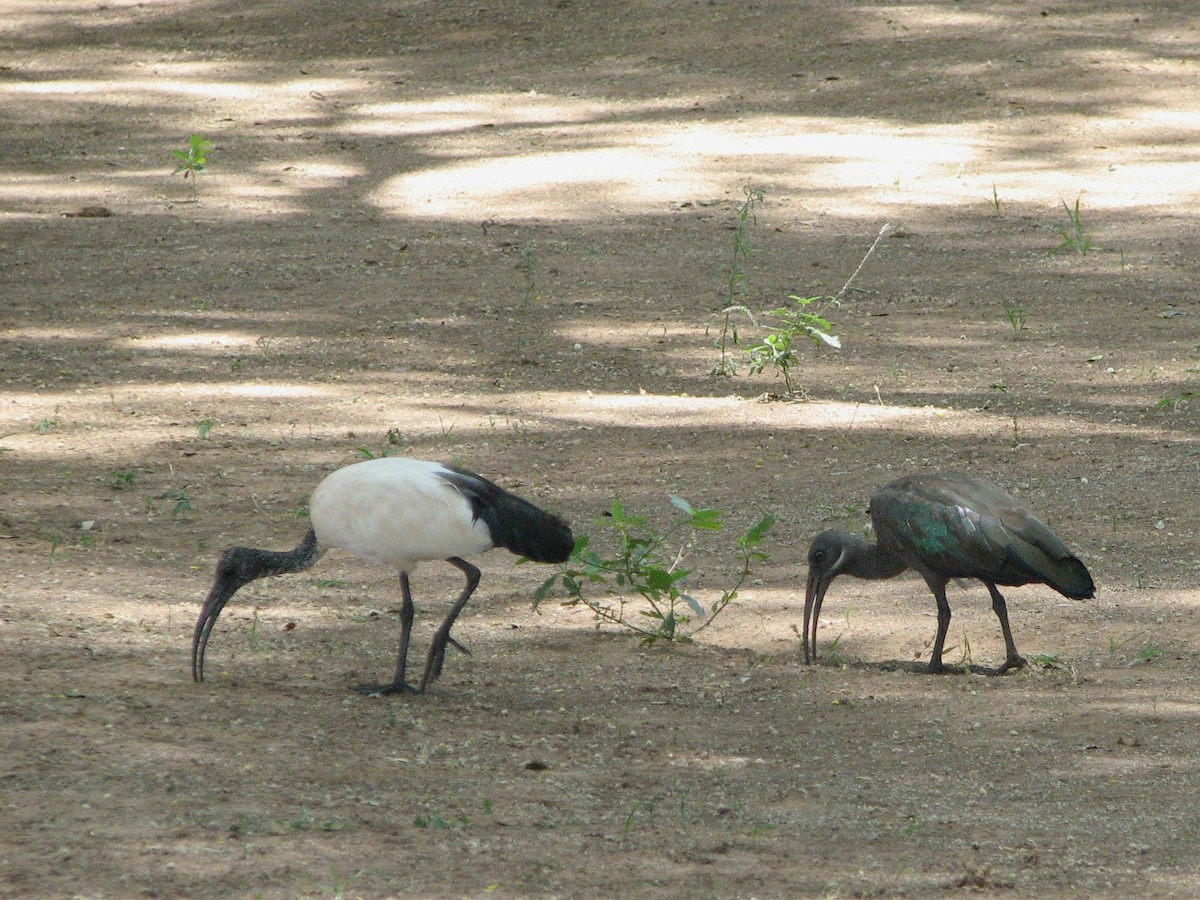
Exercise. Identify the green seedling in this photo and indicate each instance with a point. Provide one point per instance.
(645, 807)
(339, 885)
(996, 200)
(205, 426)
(431, 822)
(183, 502)
(306, 821)
(393, 442)
(1015, 314)
(1073, 234)
(193, 160)
(117, 480)
(1175, 401)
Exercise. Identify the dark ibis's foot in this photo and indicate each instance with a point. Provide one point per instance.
(382, 690)
(457, 646)
(937, 667)
(1015, 662)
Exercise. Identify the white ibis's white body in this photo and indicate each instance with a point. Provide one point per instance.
(396, 512)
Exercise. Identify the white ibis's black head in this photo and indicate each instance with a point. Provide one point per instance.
(237, 567)
(829, 555)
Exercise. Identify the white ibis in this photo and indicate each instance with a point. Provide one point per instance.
(944, 527)
(398, 512)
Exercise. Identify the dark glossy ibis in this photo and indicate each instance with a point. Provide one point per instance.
(398, 512)
(944, 527)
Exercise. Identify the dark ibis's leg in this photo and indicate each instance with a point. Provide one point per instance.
(441, 637)
(943, 609)
(1013, 659)
(398, 685)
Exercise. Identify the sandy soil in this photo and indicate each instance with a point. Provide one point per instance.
(500, 233)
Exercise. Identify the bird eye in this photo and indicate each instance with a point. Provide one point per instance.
(818, 555)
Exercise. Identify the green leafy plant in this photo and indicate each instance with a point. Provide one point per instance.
(736, 284)
(1074, 235)
(776, 348)
(193, 160)
(996, 200)
(183, 502)
(205, 426)
(645, 573)
(804, 317)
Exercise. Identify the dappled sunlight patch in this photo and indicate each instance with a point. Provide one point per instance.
(612, 408)
(194, 341)
(448, 114)
(660, 163)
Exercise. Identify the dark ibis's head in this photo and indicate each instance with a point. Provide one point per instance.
(237, 567)
(829, 556)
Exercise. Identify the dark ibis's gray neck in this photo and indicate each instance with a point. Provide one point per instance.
(870, 561)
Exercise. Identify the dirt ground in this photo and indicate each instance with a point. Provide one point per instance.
(501, 233)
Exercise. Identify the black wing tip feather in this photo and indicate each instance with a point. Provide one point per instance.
(513, 522)
(1081, 586)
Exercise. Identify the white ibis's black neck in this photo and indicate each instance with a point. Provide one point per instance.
(241, 565)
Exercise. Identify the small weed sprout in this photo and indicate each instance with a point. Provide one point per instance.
(1073, 234)
(50, 424)
(1147, 651)
(393, 444)
(996, 200)
(193, 160)
(306, 821)
(736, 285)
(1015, 314)
(118, 480)
(644, 577)
(204, 427)
(833, 654)
(1184, 396)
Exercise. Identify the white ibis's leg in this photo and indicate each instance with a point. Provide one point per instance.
(441, 637)
(398, 685)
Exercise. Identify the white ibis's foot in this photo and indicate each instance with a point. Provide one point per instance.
(1013, 662)
(437, 656)
(382, 690)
